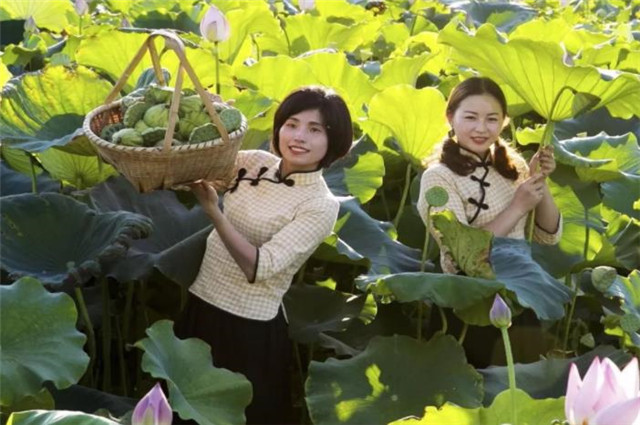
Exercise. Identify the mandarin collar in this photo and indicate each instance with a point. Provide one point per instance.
(480, 161)
(298, 178)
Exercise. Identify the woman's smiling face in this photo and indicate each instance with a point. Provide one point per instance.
(477, 122)
(303, 142)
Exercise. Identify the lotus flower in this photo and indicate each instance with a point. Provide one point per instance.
(306, 5)
(153, 409)
(30, 25)
(500, 315)
(606, 395)
(81, 7)
(214, 26)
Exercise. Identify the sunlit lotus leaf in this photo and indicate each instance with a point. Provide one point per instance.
(18, 160)
(307, 32)
(631, 61)
(124, 45)
(446, 290)
(394, 377)
(401, 70)
(47, 108)
(52, 15)
(177, 243)
(347, 13)
(197, 389)
(247, 19)
(545, 378)
(275, 77)
(428, 41)
(537, 72)
(530, 412)
(57, 417)
(469, 246)
(47, 347)
(62, 241)
(5, 75)
(312, 310)
(358, 174)
(558, 31)
(504, 16)
(333, 70)
(370, 238)
(79, 171)
(417, 128)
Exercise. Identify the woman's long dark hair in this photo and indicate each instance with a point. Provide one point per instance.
(450, 154)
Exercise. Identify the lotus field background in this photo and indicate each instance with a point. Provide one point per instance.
(94, 274)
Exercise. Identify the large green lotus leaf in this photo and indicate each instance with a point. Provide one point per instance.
(14, 183)
(39, 340)
(42, 400)
(47, 108)
(469, 246)
(276, 76)
(333, 70)
(621, 194)
(537, 72)
(57, 417)
(175, 247)
(62, 241)
(624, 233)
(122, 47)
(371, 239)
(394, 377)
(78, 397)
(595, 122)
(306, 32)
(401, 70)
(530, 412)
(53, 15)
(197, 389)
(559, 30)
(358, 174)
(248, 19)
(79, 171)
(346, 11)
(18, 160)
(428, 41)
(546, 378)
(627, 289)
(445, 290)
(312, 310)
(5, 75)
(417, 128)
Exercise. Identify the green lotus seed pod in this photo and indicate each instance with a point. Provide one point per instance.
(127, 137)
(109, 130)
(134, 113)
(436, 196)
(204, 133)
(603, 277)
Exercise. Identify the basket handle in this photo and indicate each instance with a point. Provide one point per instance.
(173, 42)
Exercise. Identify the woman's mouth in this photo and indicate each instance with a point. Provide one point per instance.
(298, 149)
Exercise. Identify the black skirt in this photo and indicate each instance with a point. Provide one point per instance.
(260, 350)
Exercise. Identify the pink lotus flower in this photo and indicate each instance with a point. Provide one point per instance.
(153, 409)
(500, 315)
(306, 5)
(606, 395)
(81, 7)
(214, 26)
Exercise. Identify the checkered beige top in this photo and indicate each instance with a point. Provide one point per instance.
(286, 219)
(477, 199)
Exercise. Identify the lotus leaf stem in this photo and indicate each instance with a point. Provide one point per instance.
(423, 261)
(512, 373)
(128, 303)
(216, 53)
(405, 192)
(123, 373)
(34, 179)
(463, 333)
(569, 284)
(445, 324)
(91, 337)
(586, 233)
(106, 335)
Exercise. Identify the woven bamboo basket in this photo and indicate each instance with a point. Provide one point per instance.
(167, 166)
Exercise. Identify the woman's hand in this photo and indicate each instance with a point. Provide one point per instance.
(529, 193)
(207, 196)
(543, 161)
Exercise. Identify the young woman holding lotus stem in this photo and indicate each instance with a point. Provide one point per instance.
(277, 210)
(490, 185)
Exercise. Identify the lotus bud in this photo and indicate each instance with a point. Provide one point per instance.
(81, 7)
(214, 26)
(306, 5)
(437, 196)
(125, 23)
(603, 277)
(500, 315)
(153, 409)
(30, 25)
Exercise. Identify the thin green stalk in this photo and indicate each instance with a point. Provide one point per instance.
(569, 284)
(124, 387)
(80, 26)
(586, 234)
(512, 374)
(420, 314)
(413, 24)
(405, 192)
(445, 324)
(128, 304)
(91, 337)
(463, 333)
(216, 53)
(283, 25)
(423, 261)
(385, 204)
(106, 335)
(296, 349)
(257, 46)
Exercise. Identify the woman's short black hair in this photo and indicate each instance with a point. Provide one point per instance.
(335, 117)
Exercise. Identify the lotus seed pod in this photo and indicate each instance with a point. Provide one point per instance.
(153, 135)
(603, 277)
(204, 133)
(109, 130)
(156, 94)
(231, 119)
(436, 196)
(134, 113)
(127, 137)
(157, 116)
(141, 126)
